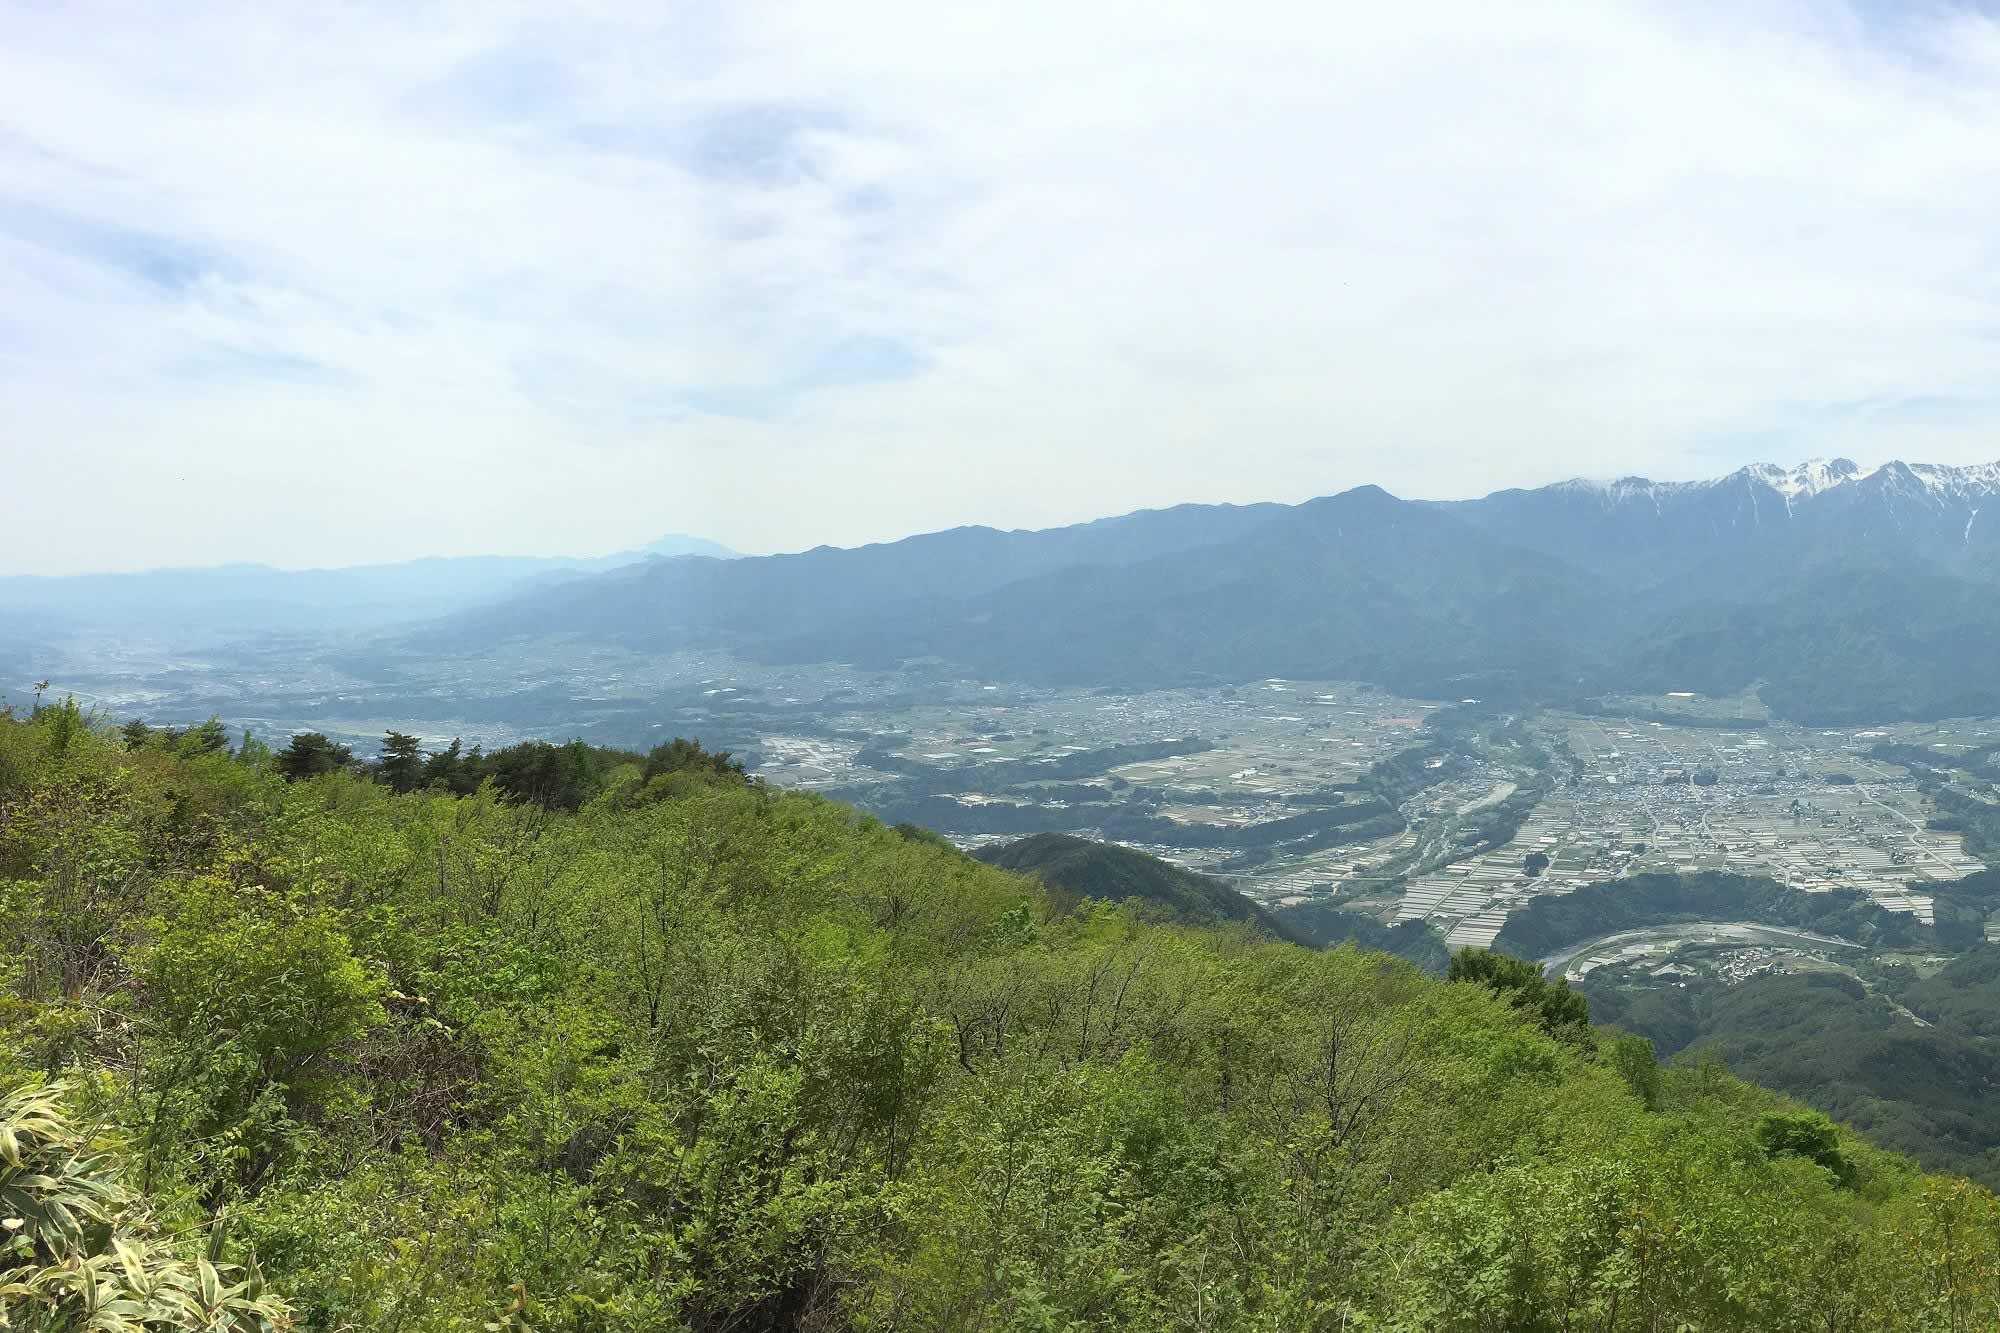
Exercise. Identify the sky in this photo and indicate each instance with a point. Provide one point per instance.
(319, 284)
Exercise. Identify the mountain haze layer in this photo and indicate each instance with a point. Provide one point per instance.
(244, 597)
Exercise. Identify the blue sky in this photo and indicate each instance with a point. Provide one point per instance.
(316, 284)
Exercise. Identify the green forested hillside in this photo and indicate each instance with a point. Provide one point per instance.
(1964, 994)
(1847, 645)
(1326, 925)
(702, 1055)
(1551, 923)
(1933, 1092)
(1110, 873)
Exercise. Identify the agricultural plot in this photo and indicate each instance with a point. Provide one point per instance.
(1807, 808)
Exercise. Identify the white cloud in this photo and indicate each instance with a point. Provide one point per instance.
(309, 284)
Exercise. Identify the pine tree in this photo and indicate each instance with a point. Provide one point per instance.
(402, 762)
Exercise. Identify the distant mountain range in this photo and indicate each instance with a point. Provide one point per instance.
(1695, 536)
(248, 598)
(1841, 592)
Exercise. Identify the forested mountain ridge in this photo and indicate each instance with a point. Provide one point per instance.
(1356, 586)
(1904, 1058)
(1932, 1091)
(1162, 891)
(705, 1055)
(1870, 595)
(1110, 873)
(773, 599)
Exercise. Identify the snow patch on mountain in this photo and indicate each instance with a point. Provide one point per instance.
(1622, 488)
(1811, 478)
(1959, 482)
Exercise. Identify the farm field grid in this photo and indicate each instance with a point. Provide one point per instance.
(1625, 796)
(1806, 806)
(1198, 776)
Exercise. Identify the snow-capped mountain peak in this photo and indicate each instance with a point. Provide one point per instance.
(1810, 477)
(1975, 480)
(1622, 488)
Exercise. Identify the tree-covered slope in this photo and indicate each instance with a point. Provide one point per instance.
(1933, 1092)
(1862, 642)
(1324, 926)
(1964, 994)
(701, 1055)
(1110, 873)
(1552, 922)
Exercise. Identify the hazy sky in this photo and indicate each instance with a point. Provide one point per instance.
(315, 283)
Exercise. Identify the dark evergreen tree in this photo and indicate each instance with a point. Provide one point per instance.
(402, 761)
(680, 755)
(446, 769)
(310, 754)
(209, 737)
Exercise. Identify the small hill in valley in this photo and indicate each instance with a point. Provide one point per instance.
(1112, 873)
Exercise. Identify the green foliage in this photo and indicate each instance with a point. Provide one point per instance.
(554, 777)
(1825, 1038)
(252, 752)
(548, 776)
(1685, 1234)
(1560, 1010)
(77, 1251)
(311, 755)
(248, 996)
(1804, 1134)
(1633, 1058)
(686, 756)
(209, 737)
(402, 763)
(700, 1055)
(62, 723)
